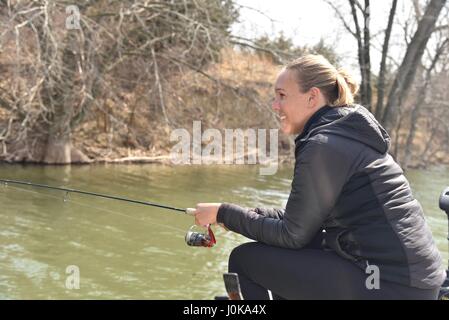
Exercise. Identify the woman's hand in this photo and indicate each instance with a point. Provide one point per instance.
(206, 213)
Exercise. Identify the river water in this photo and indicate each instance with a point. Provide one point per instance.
(129, 251)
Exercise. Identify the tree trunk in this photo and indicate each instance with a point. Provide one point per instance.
(421, 98)
(395, 145)
(425, 154)
(383, 63)
(413, 126)
(367, 56)
(58, 150)
(363, 52)
(62, 102)
(407, 70)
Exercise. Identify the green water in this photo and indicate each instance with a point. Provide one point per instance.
(127, 251)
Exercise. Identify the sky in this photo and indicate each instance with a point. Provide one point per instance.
(307, 21)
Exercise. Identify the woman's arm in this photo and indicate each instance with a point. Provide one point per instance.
(274, 213)
(320, 173)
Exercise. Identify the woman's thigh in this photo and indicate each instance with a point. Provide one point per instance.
(309, 274)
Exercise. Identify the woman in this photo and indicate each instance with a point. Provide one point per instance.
(351, 228)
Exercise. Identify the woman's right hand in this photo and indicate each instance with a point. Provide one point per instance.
(206, 213)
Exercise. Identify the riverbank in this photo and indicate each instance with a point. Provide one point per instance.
(232, 93)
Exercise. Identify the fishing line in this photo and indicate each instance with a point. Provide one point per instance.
(97, 208)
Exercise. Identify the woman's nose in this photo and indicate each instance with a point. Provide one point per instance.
(275, 105)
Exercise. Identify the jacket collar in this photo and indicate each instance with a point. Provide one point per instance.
(314, 119)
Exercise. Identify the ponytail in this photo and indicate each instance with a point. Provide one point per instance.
(347, 88)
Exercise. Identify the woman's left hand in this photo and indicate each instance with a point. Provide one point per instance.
(206, 213)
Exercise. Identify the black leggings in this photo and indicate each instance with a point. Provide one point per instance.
(309, 273)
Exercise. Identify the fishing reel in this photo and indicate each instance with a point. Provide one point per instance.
(200, 239)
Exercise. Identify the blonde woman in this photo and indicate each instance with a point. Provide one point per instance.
(350, 215)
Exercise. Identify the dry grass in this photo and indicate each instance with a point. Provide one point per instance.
(239, 98)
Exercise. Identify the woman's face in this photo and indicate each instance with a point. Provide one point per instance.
(293, 107)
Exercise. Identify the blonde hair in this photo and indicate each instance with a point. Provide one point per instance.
(337, 86)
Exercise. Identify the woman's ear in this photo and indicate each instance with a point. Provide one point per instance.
(313, 97)
(316, 98)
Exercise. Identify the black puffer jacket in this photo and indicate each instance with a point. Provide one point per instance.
(346, 182)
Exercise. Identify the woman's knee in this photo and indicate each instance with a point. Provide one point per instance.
(239, 256)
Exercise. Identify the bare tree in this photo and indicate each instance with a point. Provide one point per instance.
(407, 70)
(362, 35)
(59, 75)
(383, 64)
(421, 97)
(394, 114)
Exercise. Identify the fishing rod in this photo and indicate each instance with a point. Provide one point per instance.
(192, 238)
(189, 211)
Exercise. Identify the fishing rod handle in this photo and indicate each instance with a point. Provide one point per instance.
(190, 211)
